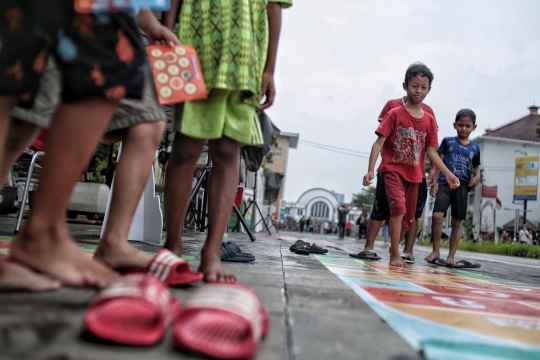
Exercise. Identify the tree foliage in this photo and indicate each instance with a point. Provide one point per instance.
(290, 221)
(366, 196)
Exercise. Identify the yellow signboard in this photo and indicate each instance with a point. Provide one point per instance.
(526, 178)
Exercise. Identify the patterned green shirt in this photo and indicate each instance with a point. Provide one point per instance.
(231, 39)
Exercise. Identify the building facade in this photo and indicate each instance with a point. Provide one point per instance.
(319, 204)
(280, 158)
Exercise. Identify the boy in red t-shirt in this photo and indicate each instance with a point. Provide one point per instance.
(411, 133)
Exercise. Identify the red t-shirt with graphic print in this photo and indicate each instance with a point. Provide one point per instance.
(390, 104)
(406, 141)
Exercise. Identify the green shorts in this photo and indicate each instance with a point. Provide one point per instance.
(223, 113)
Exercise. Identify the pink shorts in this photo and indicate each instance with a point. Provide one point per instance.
(402, 196)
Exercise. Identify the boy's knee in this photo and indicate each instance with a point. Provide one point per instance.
(456, 223)
(185, 150)
(225, 151)
(183, 156)
(437, 217)
(19, 137)
(156, 132)
(397, 207)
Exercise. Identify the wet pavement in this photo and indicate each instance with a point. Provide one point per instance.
(314, 314)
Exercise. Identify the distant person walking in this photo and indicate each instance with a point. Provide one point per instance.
(301, 223)
(362, 223)
(348, 227)
(343, 211)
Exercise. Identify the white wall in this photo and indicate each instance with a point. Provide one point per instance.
(498, 158)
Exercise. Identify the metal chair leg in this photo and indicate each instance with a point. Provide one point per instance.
(35, 157)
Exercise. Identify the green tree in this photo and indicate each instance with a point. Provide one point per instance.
(366, 196)
(290, 221)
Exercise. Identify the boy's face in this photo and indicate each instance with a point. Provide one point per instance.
(417, 89)
(464, 127)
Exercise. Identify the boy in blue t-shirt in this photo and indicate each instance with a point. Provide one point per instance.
(460, 155)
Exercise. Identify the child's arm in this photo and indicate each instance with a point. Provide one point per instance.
(435, 180)
(433, 176)
(476, 179)
(375, 151)
(268, 87)
(155, 32)
(453, 181)
(169, 16)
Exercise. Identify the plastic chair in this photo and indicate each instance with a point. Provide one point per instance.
(36, 152)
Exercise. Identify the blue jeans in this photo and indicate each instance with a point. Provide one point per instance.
(385, 233)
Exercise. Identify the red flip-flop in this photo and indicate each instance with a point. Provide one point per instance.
(170, 269)
(224, 321)
(134, 310)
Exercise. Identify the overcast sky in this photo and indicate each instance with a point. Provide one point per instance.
(339, 62)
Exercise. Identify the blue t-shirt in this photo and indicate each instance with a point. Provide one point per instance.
(459, 159)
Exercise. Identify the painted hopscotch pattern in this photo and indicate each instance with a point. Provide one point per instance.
(448, 313)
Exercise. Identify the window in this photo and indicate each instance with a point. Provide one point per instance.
(300, 212)
(320, 210)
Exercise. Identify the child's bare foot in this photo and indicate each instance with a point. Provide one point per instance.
(52, 252)
(432, 256)
(121, 254)
(16, 277)
(213, 269)
(450, 261)
(177, 248)
(396, 260)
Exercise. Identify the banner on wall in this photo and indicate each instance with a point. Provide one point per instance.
(526, 178)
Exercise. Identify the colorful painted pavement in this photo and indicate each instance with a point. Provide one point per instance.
(448, 313)
(88, 248)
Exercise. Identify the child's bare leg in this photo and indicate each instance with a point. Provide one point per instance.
(130, 178)
(7, 103)
(221, 193)
(44, 242)
(16, 277)
(372, 230)
(178, 181)
(436, 231)
(13, 276)
(20, 135)
(454, 240)
(410, 236)
(396, 234)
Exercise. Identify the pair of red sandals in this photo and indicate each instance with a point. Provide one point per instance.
(224, 321)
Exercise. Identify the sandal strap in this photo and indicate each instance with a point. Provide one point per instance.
(232, 298)
(162, 264)
(142, 286)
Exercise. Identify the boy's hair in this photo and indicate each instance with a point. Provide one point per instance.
(463, 113)
(418, 68)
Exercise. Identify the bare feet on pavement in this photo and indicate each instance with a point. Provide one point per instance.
(52, 252)
(117, 255)
(396, 260)
(432, 256)
(214, 271)
(17, 277)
